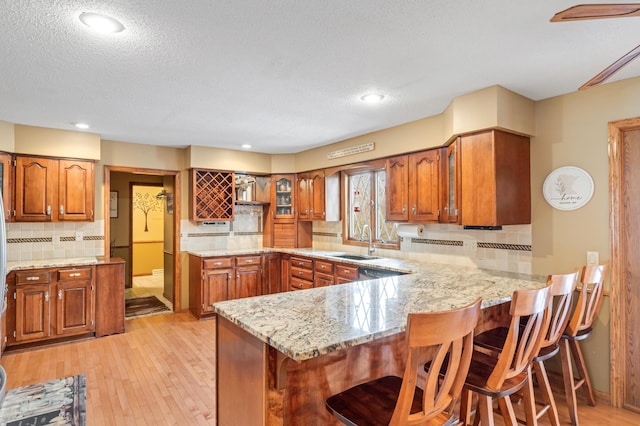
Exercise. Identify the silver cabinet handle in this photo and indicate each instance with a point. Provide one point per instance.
(414, 209)
(404, 209)
(48, 210)
(61, 209)
(74, 274)
(217, 263)
(60, 294)
(33, 278)
(249, 261)
(237, 275)
(46, 296)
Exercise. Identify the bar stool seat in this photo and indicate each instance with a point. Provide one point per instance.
(393, 400)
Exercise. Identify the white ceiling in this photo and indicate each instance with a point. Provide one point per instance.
(285, 75)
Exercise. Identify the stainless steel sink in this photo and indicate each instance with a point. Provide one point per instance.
(354, 257)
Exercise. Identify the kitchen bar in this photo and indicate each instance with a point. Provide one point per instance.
(280, 356)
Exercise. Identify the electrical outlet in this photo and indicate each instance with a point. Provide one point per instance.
(79, 236)
(593, 258)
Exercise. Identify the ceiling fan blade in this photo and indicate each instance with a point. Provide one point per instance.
(597, 11)
(612, 69)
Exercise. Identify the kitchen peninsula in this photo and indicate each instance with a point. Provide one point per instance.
(280, 356)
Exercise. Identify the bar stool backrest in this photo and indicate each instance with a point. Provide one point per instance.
(589, 300)
(561, 296)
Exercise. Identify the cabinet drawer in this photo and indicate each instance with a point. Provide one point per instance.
(322, 280)
(74, 274)
(298, 284)
(348, 272)
(302, 263)
(217, 262)
(248, 260)
(325, 267)
(305, 274)
(33, 277)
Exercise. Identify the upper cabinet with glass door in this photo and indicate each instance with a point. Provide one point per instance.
(283, 196)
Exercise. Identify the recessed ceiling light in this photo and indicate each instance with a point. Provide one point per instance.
(101, 23)
(372, 97)
(246, 146)
(82, 126)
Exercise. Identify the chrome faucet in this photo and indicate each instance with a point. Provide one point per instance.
(371, 248)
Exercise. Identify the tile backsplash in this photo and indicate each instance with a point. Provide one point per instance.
(508, 249)
(38, 241)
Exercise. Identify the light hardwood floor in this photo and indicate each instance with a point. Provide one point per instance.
(162, 372)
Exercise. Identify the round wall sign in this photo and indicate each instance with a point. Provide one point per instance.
(568, 188)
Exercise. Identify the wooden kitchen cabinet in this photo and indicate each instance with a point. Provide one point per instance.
(345, 273)
(51, 190)
(397, 185)
(110, 305)
(33, 312)
(6, 183)
(50, 303)
(272, 268)
(282, 229)
(75, 301)
(452, 184)
(76, 190)
(283, 197)
(212, 195)
(248, 280)
(495, 179)
(215, 279)
(301, 273)
(424, 186)
(311, 195)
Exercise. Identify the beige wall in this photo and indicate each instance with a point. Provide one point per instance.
(226, 159)
(572, 130)
(56, 143)
(7, 136)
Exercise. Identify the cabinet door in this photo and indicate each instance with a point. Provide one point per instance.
(424, 186)
(5, 183)
(283, 196)
(304, 197)
(32, 312)
(110, 297)
(248, 282)
(272, 273)
(74, 307)
(316, 184)
(397, 185)
(452, 202)
(215, 287)
(36, 189)
(76, 190)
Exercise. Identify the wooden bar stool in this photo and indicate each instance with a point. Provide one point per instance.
(393, 400)
(561, 292)
(500, 374)
(579, 328)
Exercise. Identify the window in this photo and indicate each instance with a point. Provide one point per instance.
(366, 205)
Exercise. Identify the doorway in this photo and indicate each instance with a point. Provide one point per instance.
(624, 189)
(119, 183)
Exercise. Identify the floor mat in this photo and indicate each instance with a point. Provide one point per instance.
(60, 402)
(144, 306)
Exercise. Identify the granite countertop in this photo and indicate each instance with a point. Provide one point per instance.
(308, 323)
(50, 263)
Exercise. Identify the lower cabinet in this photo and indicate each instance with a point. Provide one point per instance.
(50, 303)
(110, 304)
(215, 279)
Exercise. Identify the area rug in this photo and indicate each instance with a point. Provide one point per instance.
(144, 306)
(59, 402)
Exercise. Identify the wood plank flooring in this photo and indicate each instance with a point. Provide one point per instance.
(162, 372)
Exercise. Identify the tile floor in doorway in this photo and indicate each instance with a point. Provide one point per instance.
(148, 285)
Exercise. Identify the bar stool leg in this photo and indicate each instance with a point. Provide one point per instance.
(569, 386)
(506, 409)
(547, 393)
(465, 407)
(529, 401)
(582, 370)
